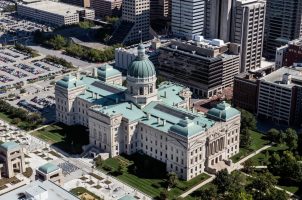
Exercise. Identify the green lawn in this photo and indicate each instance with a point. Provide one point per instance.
(80, 190)
(148, 175)
(68, 138)
(258, 141)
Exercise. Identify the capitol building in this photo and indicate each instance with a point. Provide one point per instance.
(141, 117)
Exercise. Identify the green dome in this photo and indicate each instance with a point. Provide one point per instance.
(141, 67)
(223, 111)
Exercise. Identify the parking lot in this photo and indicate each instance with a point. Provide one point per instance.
(15, 28)
(16, 67)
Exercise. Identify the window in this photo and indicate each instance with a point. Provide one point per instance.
(151, 89)
(141, 90)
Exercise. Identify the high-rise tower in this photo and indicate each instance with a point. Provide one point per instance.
(135, 23)
(187, 17)
(282, 24)
(248, 31)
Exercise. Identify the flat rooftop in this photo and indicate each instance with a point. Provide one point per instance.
(54, 191)
(55, 7)
(277, 76)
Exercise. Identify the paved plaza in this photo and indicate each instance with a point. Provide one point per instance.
(77, 172)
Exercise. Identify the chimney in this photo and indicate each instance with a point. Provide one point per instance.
(78, 75)
(165, 94)
(158, 120)
(148, 115)
(130, 106)
(164, 122)
(96, 95)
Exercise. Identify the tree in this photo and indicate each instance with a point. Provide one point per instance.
(243, 195)
(209, 193)
(22, 90)
(57, 42)
(121, 168)
(274, 135)
(99, 161)
(163, 195)
(278, 195)
(172, 179)
(248, 166)
(291, 139)
(245, 138)
(16, 121)
(248, 120)
(223, 181)
(262, 185)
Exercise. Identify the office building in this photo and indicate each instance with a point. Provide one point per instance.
(187, 18)
(39, 190)
(282, 24)
(280, 96)
(154, 121)
(135, 23)
(218, 19)
(106, 7)
(248, 32)
(55, 13)
(206, 66)
(289, 54)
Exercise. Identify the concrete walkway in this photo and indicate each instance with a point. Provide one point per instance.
(198, 186)
(238, 165)
(29, 132)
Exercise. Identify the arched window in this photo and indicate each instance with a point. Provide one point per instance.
(141, 90)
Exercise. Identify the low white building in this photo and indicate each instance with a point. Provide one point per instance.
(155, 121)
(55, 13)
(124, 56)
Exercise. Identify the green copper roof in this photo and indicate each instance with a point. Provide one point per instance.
(186, 127)
(223, 111)
(168, 92)
(48, 168)
(127, 197)
(185, 123)
(141, 67)
(107, 71)
(9, 145)
(69, 82)
(128, 110)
